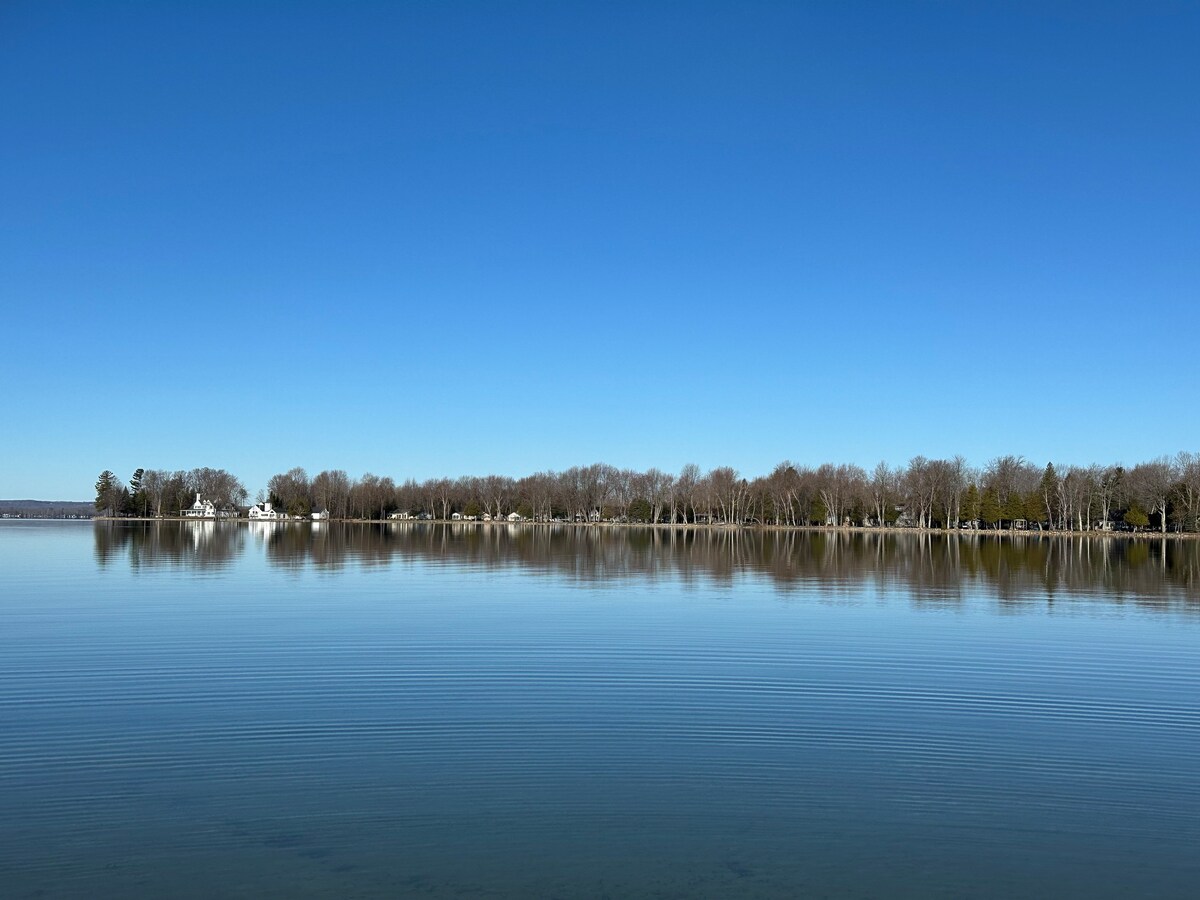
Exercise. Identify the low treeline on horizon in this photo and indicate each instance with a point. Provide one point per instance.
(1009, 492)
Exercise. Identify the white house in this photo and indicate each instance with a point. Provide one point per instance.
(320, 516)
(201, 509)
(514, 517)
(263, 512)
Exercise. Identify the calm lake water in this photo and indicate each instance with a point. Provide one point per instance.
(221, 710)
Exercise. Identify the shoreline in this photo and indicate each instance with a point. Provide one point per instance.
(683, 526)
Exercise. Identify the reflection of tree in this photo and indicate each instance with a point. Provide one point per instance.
(933, 569)
(202, 545)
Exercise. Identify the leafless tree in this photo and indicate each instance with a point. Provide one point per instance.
(291, 491)
(657, 487)
(331, 491)
(1010, 474)
(840, 488)
(1188, 468)
(1153, 483)
(686, 486)
(221, 487)
(884, 489)
(1110, 492)
(1075, 490)
(155, 483)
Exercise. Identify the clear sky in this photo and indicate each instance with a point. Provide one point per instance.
(436, 238)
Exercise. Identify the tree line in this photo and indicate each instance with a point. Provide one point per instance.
(159, 492)
(1007, 493)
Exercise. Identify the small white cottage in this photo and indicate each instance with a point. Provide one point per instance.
(263, 512)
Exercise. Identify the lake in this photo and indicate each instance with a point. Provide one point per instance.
(232, 710)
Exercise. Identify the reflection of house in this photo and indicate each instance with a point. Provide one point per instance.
(201, 509)
(263, 512)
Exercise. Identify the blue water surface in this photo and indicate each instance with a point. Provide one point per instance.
(230, 710)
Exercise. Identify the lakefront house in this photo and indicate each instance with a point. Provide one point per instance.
(263, 512)
(201, 509)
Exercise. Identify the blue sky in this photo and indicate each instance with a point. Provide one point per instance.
(445, 238)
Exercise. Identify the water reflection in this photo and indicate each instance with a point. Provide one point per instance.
(936, 569)
(192, 545)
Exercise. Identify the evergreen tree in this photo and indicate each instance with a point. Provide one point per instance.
(970, 503)
(1136, 516)
(1014, 508)
(1046, 492)
(818, 513)
(137, 497)
(989, 507)
(639, 510)
(1035, 509)
(108, 493)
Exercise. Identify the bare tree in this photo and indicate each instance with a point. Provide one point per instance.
(1111, 490)
(291, 491)
(658, 486)
(330, 490)
(1153, 483)
(155, 483)
(221, 487)
(1009, 475)
(686, 486)
(884, 488)
(1188, 492)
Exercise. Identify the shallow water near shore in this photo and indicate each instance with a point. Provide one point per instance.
(218, 709)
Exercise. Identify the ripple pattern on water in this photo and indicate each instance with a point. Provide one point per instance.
(440, 727)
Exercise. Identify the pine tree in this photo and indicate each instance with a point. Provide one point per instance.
(1046, 492)
(989, 507)
(1014, 508)
(1136, 516)
(105, 489)
(137, 498)
(1035, 509)
(970, 503)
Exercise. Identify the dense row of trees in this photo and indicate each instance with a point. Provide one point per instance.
(158, 492)
(926, 493)
(1008, 492)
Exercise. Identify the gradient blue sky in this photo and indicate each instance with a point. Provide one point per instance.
(445, 238)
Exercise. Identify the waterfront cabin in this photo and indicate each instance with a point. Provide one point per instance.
(514, 517)
(320, 516)
(263, 512)
(201, 509)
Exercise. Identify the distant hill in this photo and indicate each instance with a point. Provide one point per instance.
(47, 509)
